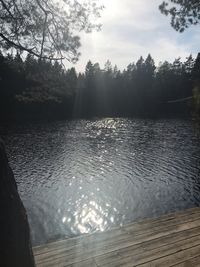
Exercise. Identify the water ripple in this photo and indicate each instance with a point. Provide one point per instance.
(81, 176)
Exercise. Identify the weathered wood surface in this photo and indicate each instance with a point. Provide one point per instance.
(171, 240)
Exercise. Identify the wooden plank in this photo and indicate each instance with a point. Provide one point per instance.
(55, 258)
(168, 216)
(83, 263)
(88, 263)
(71, 243)
(174, 259)
(147, 223)
(122, 236)
(194, 262)
(148, 246)
(172, 220)
(106, 248)
(164, 256)
(152, 242)
(118, 234)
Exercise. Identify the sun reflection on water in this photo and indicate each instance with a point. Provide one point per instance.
(90, 217)
(107, 123)
(89, 213)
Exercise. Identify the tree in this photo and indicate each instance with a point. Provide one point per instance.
(196, 89)
(145, 77)
(196, 69)
(72, 78)
(149, 66)
(183, 13)
(140, 65)
(46, 28)
(89, 71)
(177, 67)
(189, 65)
(108, 67)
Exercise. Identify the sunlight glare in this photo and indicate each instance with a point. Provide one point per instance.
(90, 217)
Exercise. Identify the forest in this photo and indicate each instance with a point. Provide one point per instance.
(36, 36)
(33, 88)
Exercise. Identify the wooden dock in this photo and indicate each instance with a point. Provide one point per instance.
(171, 240)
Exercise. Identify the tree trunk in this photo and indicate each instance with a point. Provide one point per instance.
(15, 247)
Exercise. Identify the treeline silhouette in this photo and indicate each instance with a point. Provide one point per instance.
(40, 89)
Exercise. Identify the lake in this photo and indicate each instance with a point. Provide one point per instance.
(82, 176)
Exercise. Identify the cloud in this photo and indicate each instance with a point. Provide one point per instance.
(132, 28)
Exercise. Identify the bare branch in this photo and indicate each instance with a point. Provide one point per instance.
(43, 35)
(6, 8)
(20, 47)
(47, 25)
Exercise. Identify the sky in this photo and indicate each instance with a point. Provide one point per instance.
(134, 28)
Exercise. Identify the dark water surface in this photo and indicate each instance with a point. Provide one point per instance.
(81, 176)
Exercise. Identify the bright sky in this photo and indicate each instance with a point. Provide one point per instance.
(131, 28)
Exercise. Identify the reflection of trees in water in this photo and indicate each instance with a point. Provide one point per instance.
(196, 123)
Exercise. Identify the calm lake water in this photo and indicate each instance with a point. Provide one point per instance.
(82, 176)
